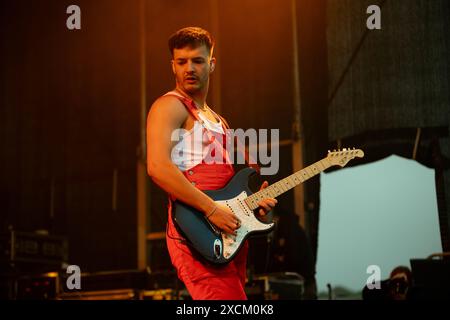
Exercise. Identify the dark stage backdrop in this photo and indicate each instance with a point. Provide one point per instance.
(69, 123)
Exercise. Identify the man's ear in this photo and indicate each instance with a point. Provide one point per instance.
(172, 63)
(212, 64)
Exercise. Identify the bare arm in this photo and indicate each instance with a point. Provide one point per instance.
(166, 115)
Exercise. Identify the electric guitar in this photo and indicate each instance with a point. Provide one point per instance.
(219, 247)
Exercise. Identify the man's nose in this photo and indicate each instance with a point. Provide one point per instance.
(189, 66)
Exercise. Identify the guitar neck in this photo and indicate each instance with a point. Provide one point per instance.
(287, 183)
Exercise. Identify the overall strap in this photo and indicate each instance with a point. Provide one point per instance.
(188, 103)
(242, 148)
(192, 109)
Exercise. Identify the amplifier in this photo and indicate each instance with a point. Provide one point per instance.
(124, 279)
(123, 285)
(37, 287)
(106, 285)
(121, 294)
(282, 285)
(28, 251)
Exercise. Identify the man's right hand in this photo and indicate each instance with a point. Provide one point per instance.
(224, 219)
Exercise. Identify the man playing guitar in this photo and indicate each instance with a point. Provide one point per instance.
(184, 177)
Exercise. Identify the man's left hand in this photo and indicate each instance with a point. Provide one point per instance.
(266, 204)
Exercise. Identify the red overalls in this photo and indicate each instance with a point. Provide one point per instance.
(202, 279)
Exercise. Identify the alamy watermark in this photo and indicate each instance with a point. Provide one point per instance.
(374, 20)
(210, 147)
(374, 280)
(74, 280)
(74, 20)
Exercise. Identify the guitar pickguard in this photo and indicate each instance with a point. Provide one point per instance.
(249, 224)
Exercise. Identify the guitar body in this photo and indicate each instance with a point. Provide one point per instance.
(213, 245)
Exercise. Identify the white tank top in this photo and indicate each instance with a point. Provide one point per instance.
(193, 145)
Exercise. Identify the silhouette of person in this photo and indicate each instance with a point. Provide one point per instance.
(397, 287)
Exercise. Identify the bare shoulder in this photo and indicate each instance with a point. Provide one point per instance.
(168, 108)
(168, 104)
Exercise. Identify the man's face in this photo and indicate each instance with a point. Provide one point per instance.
(192, 67)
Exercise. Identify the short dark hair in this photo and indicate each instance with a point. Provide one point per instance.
(402, 270)
(191, 36)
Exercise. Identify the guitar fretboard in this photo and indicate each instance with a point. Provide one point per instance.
(287, 183)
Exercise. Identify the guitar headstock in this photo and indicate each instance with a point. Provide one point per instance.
(342, 157)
